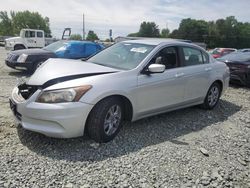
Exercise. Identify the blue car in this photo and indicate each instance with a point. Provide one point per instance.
(30, 59)
(74, 49)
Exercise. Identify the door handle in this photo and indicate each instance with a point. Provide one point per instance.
(208, 69)
(178, 75)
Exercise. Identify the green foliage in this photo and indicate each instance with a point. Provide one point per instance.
(75, 37)
(133, 35)
(20, 20)
(226, 32)
(220, 33)
(165, 33)
(191, 29)
(147, 29)
(92, 36)
(6, 27)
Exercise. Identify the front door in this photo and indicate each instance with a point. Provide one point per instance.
(30, 39)
(159, 91)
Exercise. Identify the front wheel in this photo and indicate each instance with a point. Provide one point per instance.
(105, 119)
(212, 97)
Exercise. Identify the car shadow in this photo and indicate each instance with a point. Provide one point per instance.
(133, 136)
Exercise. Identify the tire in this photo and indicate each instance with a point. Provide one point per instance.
(109, 110)
(212, 97)
(19, 47)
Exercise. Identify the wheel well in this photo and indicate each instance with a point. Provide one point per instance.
(19, 45)
(128, 108)
(220, 83)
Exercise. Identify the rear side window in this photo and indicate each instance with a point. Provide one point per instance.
(193, 56)
(39, 34)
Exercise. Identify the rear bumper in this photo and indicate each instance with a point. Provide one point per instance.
(19, 66)
(61, 120)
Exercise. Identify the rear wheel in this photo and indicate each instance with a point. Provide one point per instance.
(213, 96)
(104, 121)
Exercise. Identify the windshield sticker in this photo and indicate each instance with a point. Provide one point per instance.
(139, 50)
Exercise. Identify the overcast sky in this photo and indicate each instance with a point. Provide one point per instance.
(125, 16)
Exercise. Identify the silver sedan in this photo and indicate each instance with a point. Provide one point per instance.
(125, 82)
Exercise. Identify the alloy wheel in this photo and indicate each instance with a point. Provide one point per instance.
(213, 96)
(112, 120)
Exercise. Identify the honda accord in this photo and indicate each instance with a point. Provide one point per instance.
(125, 82)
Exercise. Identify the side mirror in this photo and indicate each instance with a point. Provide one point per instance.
(84, 59)
(156, 68)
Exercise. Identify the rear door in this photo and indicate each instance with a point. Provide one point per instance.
(197, 71)
(40, 41)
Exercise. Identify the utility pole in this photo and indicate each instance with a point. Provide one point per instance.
(83, 27)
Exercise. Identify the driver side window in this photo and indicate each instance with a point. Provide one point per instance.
(167, 56)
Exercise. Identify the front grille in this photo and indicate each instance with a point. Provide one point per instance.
(26, 90)
(12, 57)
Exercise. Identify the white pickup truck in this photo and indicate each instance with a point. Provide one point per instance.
(29, 38)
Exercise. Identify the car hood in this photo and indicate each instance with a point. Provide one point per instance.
(13, 39)
(54, 71)
(31, 52)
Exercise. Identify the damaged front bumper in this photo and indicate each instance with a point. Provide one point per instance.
(60, 120)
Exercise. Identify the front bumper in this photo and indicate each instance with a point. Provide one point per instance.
(19, 66)
(240, 76)
(9, 48)
(62, 120)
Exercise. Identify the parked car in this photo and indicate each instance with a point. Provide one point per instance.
(239, 64)
(244, 50)
(30, 59)
(127, 81)
(219, 52)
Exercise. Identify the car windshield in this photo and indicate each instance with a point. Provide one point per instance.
(124, 56)
(56, 46)
(237, 56)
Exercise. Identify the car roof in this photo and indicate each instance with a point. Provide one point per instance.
(80, 42)
(157, 42)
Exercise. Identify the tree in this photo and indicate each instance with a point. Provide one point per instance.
(147, 29)
(191, 29)
(133, 35)
(92, 36)
(75, 37)
(6, 27)
(165, 33)
(22, 19)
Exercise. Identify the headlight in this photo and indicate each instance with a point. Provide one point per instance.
(22, 58)
(63, 95)
(248, 66)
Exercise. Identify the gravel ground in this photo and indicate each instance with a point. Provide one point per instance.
(185, 148)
